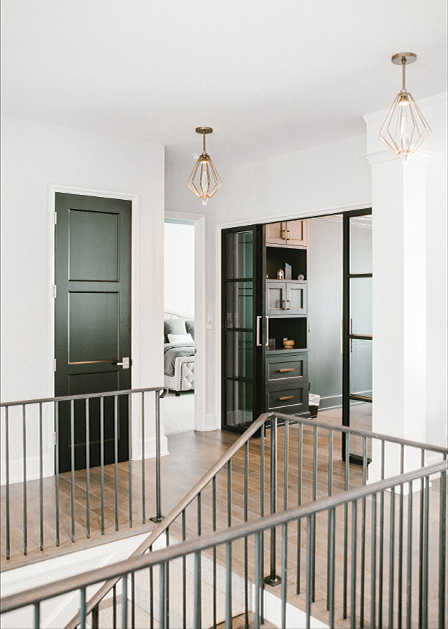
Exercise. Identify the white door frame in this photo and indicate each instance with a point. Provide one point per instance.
(200, 320)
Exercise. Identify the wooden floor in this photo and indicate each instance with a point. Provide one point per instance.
(191, 455)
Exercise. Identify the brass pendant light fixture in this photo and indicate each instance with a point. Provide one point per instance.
(204, 180)
(405, 128)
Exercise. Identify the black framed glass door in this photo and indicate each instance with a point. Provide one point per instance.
(242, 345)
(357, 328)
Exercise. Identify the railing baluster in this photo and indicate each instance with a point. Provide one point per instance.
(95, 617)
(158, 517)
(409, 558)
(87, 405)
(102, 460)
(56, 460)
(132, 600)
(24, 488)
(353, 562)
(72, 466)
(258, 580)
(116, 459)
(400, 543)
(124, 601)
(197, 590)
(363, 533)
(228, 586)
(330, 492)
(422, 532)
(114, 607)
(346, 487)
(391, 558)
(36, 615)
(41, 480)
(83, 608)
(442, 550)
(262, 509)
(143, 460)
(308, 572)
(229, 493)
(299, 502)
(246, 566)
(313, 581)
(331, 564)
(151, 594)
(286, 466)
(8, 525)
(273, 579)
(381, 550)
(284, 569)
(426, 555)
(130, 457)
(184, 575)
(167, 619)
(373, 565)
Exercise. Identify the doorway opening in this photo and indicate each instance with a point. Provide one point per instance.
(180, 326)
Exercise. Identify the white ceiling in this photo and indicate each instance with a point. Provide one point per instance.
(269, 76)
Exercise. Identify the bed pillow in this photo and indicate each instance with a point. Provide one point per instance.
(189, 324)
(174, 326)
(180, 338)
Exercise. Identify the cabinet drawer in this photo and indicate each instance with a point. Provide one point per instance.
(288, 399)
(293, 369)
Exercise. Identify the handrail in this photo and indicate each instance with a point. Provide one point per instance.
(199, 544)
(177, 510)
(83, 396)
(239, 443)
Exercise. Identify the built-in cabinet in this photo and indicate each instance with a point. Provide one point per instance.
(287, 234)
(258, 312)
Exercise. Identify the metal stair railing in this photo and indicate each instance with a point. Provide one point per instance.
(220, 485)
(379, 609)
(30, 434)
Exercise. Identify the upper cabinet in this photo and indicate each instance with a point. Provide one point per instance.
(287, 234)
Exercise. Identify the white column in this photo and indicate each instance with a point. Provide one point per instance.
(399, 303)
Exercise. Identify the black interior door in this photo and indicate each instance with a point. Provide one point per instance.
(92, 323)
(242, 327)
(357, 328)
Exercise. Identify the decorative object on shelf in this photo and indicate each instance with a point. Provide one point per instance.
(301, 278)
(405, 128)
(204, 180)
(288, 271)
(280, 274)
(271, 343)
(288, 344)
(267, 276)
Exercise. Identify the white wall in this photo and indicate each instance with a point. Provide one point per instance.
(35, 157)
(179, 268)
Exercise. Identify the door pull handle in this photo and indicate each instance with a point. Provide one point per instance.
(285, 370)
(288, 397)
(126, 363)
(267, 331)
(258, 332)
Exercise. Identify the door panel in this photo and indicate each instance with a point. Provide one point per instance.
(296, 299)
(275, 298)
(241, 361)
(92, 323)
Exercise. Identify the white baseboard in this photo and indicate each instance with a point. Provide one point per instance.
(150, 449)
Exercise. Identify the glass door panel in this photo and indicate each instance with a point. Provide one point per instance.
(240, 339)
(357, 329)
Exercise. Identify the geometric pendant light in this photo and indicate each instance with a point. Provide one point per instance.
(405, 128)
(204, 180)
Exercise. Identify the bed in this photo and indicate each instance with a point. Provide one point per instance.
(179, 352)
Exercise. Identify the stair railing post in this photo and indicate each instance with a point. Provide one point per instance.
(273, 578)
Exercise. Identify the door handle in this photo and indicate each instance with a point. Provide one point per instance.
(267, 331)
(287, 397)
(285, 370)
(258, 331)
(125, 364)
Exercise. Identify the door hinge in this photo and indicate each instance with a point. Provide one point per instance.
(54, 364)
(54, 291)
(55, 218)
(54, 439)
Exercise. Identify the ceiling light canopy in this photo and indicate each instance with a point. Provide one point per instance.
(204, 180)
(405, 128)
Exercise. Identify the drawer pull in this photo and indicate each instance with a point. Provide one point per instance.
(285, 370)
(288, 397)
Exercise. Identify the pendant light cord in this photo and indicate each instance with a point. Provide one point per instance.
(403, 72)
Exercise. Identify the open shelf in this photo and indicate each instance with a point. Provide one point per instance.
(277, 256)
(293, 328)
